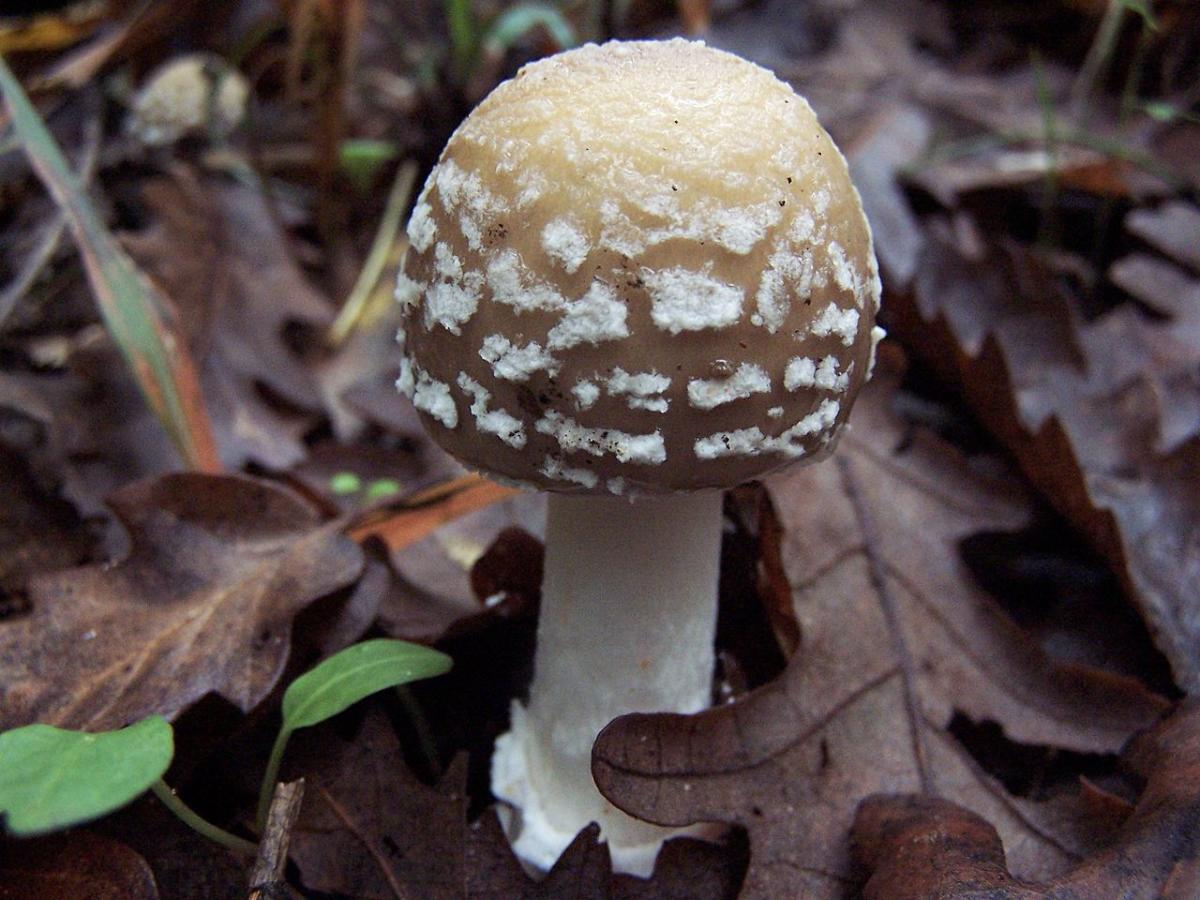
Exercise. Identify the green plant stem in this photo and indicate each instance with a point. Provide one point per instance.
(460, 20)
(1098, 57)
(420, 725)
(200, 825)
(270, 777)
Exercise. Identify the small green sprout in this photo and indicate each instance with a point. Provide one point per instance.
(382, 489)
(54, 778)
(343, 483)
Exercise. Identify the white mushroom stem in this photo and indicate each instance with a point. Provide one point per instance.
(628, 616)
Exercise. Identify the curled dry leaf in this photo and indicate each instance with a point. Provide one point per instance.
(895, 641)
(204, 600)
(1082, 407)
(917, 847)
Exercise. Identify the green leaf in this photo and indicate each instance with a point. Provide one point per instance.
(51, 778)
(355, 673)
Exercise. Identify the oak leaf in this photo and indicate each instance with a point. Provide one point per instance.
(1086, 408)
(895, 641)
(216, 251)
(203, 601)
(919, 847)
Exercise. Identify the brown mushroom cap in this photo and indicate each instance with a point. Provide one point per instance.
(638, 267)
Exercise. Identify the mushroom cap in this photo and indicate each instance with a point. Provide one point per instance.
(638, 267)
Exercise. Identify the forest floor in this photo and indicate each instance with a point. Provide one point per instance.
(982, 615)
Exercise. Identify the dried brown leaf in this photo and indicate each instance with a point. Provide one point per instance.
(686, 869)
(215, 249)
(1173, 228)
(204, 601)
(1085, 408)
(79, 864)
(895, 641)
(369, 828)
(919, 847)
(38, 531)
(434, 586)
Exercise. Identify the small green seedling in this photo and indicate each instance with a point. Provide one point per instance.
(382, 488)
(53, 778)
(340, 682)
(469, 41)
(343, 483)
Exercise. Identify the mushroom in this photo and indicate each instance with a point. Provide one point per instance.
(638, 274)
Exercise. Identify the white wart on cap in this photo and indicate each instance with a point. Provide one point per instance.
(638, 267)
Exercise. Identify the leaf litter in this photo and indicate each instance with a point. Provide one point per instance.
(860, 652)
(895, 640)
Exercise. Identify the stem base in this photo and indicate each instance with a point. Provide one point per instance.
(627, 623)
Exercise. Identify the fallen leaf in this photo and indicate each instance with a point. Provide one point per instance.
(686, 869)
(510, 568)
(90, 456)
(38, 531)
(78, 864)
(1081, 406)
(369, 828)
(895, 640)
(917, 847)
(421, 515)
(140, 321)
(217, 568)
(1173, 228)
(186, 866)
(433, 587)
(216, 251)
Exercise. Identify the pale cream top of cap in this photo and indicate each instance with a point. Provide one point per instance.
(638, 267)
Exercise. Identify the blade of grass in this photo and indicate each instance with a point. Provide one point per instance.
(141, 322)
(385, 238)
(460, 22)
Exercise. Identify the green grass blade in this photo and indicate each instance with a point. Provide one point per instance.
(142, 323)
(460, 21)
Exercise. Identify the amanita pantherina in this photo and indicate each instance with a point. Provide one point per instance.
(638, 274)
